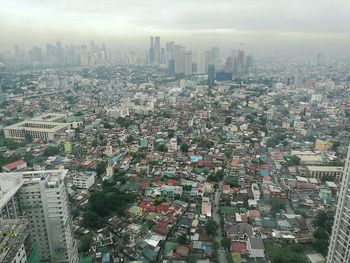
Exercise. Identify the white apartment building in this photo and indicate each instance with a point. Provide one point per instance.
(85, 180)
(339, 245)
(44, 201)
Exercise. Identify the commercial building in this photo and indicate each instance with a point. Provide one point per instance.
(43, 200)
(84, 181)
(44, 127)
(325, 171)
(339, 245)
(179, 57)
(188, 63)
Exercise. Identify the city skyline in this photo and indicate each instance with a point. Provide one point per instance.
(268, 27)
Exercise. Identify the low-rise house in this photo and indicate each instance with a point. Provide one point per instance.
(14, 166)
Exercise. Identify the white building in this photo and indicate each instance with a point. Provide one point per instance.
(85, 180)
(44, 200)
(339, 245)
(118, 112)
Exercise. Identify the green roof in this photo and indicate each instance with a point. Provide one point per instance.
(151, 216)
(143, 142)
(268, 222)
(134, 209)
(86, 259)
(229, 210)
(170, 246)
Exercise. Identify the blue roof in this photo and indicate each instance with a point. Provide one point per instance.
(264, 173)
(106, 257)
(185, 222)
(195, 158)
(207, 248)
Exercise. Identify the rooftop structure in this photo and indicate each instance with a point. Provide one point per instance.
(43, 127)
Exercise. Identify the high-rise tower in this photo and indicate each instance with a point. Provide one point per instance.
(157, 49)
(339, 245)
(43, 200)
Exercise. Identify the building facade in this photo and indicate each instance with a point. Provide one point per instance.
(44, 127)
(43, 201)
(339, 245)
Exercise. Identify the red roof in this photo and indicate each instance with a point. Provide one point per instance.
(238, 247)
(147, 206)
(254, 213)
(14, 165)
(162, 228)
(171, 182)
(144, 184)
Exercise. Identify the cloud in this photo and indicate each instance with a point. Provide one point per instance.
(253, 20)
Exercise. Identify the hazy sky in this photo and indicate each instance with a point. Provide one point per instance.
(260, 24)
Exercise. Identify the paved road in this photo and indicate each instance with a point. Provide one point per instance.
(221, 254)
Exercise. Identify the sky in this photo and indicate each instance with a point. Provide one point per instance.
(262, 25)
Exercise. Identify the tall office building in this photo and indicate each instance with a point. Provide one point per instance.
(171, 66)
(249, 63)
(43, 201)
(211, 75)
(188, 63)
(84, 59)
(151, 51)
(3, 96)
(169, 50)
(201, 69)
(157, 49)
(215, 56)
(339, 245)
(179, 57)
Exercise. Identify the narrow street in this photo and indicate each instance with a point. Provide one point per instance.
(221, 254)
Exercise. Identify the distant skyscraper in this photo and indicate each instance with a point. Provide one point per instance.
(2, 95)
(211, 74)
(179, 57)
(215, 56)
(249, 63)
(229, 64)
(84, 60)
(201, 68)
(188, 63)
(339, 245)
(151, 51)
(157, 49)
(169, 50)
(240, 59)
(60, 53)
(171, 66)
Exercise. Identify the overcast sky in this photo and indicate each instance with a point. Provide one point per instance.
(259, 24)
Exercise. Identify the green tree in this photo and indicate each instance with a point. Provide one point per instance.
(277, 205)
(226, 242)
(51, 150)
(85, 244)
(216, 247)
(91, 220)
(101, 168)
(211, 227)
(130, 139)
(184, 147)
